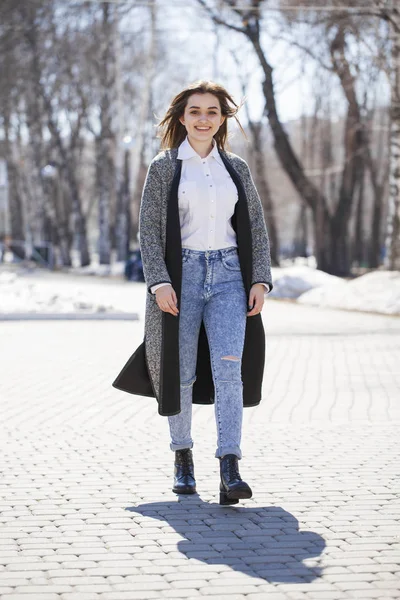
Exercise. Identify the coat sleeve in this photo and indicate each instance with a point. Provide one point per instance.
(151, 246)
(260, 239)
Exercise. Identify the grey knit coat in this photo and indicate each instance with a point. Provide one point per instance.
(160, 244)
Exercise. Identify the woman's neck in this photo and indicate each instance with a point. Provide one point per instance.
(203, 149)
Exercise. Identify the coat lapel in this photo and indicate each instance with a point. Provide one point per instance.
(241, 225)
(169, 372)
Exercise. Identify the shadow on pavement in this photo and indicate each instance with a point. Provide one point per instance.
(263, 542)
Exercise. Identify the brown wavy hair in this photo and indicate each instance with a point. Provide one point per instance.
(172, 132)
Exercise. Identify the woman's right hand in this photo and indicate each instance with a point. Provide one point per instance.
(166, 299)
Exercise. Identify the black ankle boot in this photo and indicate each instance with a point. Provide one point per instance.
(232, 487)
(184, 481)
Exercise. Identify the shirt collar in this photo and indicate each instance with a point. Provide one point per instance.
(186, 151)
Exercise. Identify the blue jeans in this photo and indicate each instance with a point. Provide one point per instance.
(212, 291)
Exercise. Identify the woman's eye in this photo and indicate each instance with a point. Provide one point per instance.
(195, 112)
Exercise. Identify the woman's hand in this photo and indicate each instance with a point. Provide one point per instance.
(166, 299)
(256, 299)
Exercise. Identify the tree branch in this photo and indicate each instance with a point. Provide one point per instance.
(217, 20)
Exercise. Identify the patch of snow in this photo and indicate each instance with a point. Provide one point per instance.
(292, 282)
(378, 291)
(21, 293)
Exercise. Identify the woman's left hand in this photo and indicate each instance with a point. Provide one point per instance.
(256, 299)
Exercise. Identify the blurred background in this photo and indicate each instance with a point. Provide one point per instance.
(83, 85)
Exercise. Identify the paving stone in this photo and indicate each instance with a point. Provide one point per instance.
(181, 593)
(80, 596)
(266, 596)
(78, 580)
(131, 595)
(219, 591)
(37, 589)
(44, 595)
(320, 450)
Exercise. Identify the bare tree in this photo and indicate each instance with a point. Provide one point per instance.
(330, 220)
(330, 230)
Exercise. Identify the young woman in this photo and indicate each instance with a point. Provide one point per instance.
(206, 262)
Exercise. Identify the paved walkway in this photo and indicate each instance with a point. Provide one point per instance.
(87, 510)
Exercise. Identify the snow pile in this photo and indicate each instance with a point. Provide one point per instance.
(378, 291)
(19, 294)
(292, 282)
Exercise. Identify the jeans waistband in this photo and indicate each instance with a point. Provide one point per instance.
(209, 253)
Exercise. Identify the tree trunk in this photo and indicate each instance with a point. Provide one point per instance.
(63, 234)
(123, 218)
(378, 191)
(353, 170)
(340, 247)
(301, 233)
(17, 228)
(264, 189)
(392, 259)
(106, 140)
(105, 184)
(323, 238)
(359, 242)
(374, 251)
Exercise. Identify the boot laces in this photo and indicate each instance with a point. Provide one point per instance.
(233, 471)
(185, 462)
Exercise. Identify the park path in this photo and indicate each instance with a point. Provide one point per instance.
(86, 507)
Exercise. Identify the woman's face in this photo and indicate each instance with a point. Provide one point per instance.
(202, 117)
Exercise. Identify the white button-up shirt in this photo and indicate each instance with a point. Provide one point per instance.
(206, 200)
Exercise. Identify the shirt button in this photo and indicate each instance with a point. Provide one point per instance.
(207, 175)
(210, 185)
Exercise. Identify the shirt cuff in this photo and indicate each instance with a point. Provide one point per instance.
(154, 288)
(266, 285)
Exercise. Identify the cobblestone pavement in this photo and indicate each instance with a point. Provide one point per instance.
(87, 510)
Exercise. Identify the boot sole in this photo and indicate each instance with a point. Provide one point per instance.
(184, 491)
(234, 496)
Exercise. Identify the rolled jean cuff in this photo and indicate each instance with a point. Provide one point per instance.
(175, 447)
(228, 450)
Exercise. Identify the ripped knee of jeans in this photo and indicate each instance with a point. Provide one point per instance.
(232, 358)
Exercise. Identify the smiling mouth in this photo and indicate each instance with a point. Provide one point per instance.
(202, 128)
